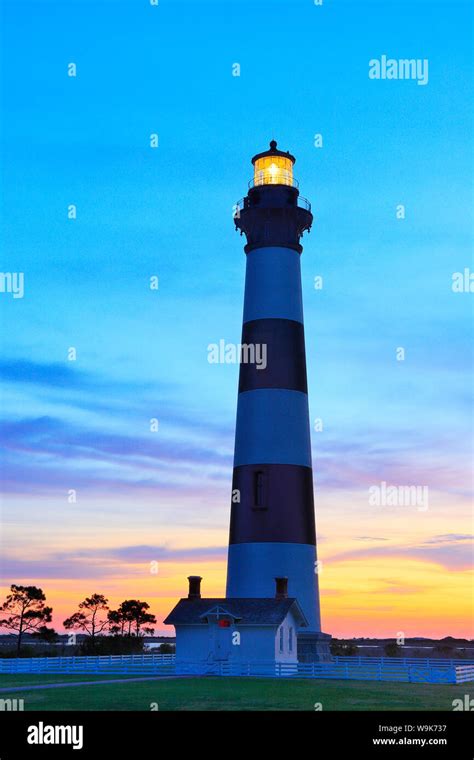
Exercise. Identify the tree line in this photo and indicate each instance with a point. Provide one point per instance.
(25, 611)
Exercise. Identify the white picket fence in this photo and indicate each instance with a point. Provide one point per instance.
(374, 671)
(410, 670)
(132, 663)
(464, 673)
(428, 662)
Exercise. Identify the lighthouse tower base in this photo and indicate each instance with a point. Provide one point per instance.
(314, 647)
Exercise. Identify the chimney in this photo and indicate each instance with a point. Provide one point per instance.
(281, 588)
(194, 586)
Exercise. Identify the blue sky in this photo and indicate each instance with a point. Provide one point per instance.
(168, 211)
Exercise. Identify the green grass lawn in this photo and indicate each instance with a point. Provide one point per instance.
(26, 679)
(242, 694)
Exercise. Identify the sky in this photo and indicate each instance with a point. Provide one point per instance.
(96, 499)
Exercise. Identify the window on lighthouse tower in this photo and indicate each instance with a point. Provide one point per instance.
(259, 498)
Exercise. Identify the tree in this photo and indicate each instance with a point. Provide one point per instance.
(391, 649)
(131, 616)
(91, 616)
(141, 618)
(167, 648)
(106, 645)
(343, 648)
(48, 635)
(116, 622)
(444, 649)
(26, 610)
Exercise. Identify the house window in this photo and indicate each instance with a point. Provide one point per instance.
(259, 495)
(282, 639)
(290, 639)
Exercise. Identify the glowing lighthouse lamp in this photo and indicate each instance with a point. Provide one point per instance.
(273, 167)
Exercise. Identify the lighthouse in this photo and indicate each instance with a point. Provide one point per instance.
(269, 618)
(272, 524)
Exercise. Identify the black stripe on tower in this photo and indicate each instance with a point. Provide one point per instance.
(284, 355)
(276, 504)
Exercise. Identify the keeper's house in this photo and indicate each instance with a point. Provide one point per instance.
(236, 630)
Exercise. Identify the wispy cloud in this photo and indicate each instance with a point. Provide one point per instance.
(53, 374)
(409, 459)
(148, 552)
(104, 563)
(450, 538)
(49, 453)
(453, 556)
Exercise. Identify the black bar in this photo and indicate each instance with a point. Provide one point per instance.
(286, 513)
(285, 355)
(315, 732)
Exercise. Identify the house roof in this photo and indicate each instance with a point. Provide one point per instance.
(244, 611)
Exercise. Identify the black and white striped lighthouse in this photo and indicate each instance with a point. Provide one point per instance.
(272, 528)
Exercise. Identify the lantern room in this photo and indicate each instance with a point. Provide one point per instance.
(273, 167)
